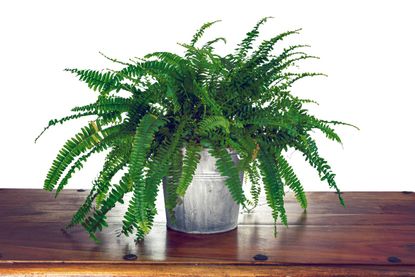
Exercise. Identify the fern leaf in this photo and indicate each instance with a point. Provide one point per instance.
(310, 151)
(227, 168)
(254, 178)
(211, 42)
(201, 31)
(261, 55)
(107, 105)
(136, 212)
(98, 81)
(89, 137)
(211, 123)
(274, 187)
(97, 220)
(207, 99)
(158, 168)
(114, 162)
(246, 43)
(190, 162)
(78, 165)
(325, 128)
(334, 122)
(291, 180)
(54, 122)
(173, 179)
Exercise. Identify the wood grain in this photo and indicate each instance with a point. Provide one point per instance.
(164, 270)
(374, 234)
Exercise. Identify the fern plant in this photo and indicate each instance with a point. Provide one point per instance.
(241, 101)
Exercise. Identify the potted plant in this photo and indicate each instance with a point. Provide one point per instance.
(198, 115)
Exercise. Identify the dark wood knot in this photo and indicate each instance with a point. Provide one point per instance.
(130, 257)
(394, 260)
(407, 192)
(80, 190)
(260, 257)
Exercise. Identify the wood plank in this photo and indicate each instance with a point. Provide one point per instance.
(374, 234)
(384, 208)
(358, 245)
(200, 270)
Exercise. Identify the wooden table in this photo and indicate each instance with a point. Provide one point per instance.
(374, 235)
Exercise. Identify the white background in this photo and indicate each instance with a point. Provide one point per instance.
(366, 48)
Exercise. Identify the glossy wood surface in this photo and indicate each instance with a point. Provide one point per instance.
(375, 233)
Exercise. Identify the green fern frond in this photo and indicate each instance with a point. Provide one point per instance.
(190, 162)
(297, 76)
(54, 122)
(254, 177)
(114, 162)
(207, 99)
(172, 181)
(261, 55)
(211, 123)
(107, 105)
(144, 136)
(325, 128)
(89, 137)
(310, 151)
(98, 220)
(211, 42)
(334, 122)
(98, 81)
(158, 167)
(227, 168)
(201, 31)
(291, 180)
(155, 67)
(78, 165)
(246, 43)
(178, 62)
(274, 187)
(114, 60)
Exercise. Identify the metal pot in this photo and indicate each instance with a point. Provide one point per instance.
(207, 206)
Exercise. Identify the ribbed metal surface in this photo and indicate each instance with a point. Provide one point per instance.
(207, 206)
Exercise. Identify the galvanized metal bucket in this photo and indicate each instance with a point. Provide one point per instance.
(207, 206)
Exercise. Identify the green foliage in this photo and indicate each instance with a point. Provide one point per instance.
(190, 161)
(200, 32)
(141, 144)
(156, 114)
(310, 151)
(114, 162)
(226, 167)
(211, 123)
(254, 177)
(273, 184)
(89, 137)
(291, 180)
(98, 220)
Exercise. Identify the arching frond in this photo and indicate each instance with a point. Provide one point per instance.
(246, 43)
(201, 31)
(89, 137)
(144, 136)
(227, 168)
(273, 184)
(190, 162)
